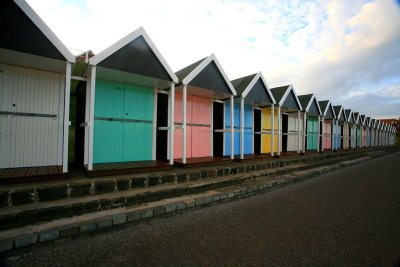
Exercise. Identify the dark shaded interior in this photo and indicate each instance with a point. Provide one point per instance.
(257, 128)
(218, 123)
(285, 121)
(162, 121)
(79, 111)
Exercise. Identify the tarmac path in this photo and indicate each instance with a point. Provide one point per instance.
(349, 217)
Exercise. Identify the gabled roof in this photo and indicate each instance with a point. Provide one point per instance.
(181, 74)
(339, 110)
(245, 85)
(189, 73)
(356, 117)
(368, 121)
(362, 120)
(307, 101)
(348, 114)
(373, 122)
(282, 92)
(24, 31)
(325, 105)
(125, 42)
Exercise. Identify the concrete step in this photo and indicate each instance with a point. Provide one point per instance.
(24, 194)
(39, 212)
(124, 216)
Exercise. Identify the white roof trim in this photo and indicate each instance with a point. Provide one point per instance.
(350, 115)
(333, 110)
(34, 17)
(253, 82)
(290, 88)
(340, 111)
(327, 107)
(368, 122)
(126, 40)
(363, 120)
(204, 64)
(357, 118)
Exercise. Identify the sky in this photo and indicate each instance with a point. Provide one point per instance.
(346, 51)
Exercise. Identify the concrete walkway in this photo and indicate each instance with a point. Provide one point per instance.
(350, 216)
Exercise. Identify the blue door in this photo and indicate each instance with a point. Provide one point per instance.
(248, 129)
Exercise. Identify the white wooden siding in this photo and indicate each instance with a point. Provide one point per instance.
(293, 138)
(30, 141)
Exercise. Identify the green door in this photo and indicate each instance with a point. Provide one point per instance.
(108, 134)
(312, 131)
(138, 126)
(123, 122)
(358, 133)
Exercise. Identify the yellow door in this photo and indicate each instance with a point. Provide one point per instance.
(345, 136)
(266, 127)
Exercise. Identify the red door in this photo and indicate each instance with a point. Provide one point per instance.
(198, 133)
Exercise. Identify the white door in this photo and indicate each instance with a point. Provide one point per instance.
(293, 138)
(31, 105)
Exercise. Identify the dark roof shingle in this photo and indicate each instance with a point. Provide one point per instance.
(241, 84)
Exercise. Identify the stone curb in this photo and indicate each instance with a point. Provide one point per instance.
(9, 243)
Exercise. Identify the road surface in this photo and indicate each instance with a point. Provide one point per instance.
(348, 217)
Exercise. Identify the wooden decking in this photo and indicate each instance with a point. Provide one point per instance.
(115, 168)
(31, 174)
(201, 161)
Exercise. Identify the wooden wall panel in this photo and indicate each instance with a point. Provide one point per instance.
(266, 144)
(30, 140)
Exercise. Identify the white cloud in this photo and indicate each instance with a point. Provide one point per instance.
(338, 49)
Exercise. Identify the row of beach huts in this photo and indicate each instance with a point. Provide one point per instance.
(137, 114)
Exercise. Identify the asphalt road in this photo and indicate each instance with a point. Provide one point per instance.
(350, 217)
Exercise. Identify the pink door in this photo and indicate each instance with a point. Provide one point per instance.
(328, 132)
(201, 129)
(198, 133)
(178, 132)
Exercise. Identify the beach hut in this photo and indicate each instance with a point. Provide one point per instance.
(373, 132)
(384, 129)
(283, 122)
(312, 126)
(347, 129)
(338, 127)
(252, 93)
(378, 125)
(357, 128)
(328, 116)
(201, 93)
(124, 81)
(351, 141)
(363, 131)
(368, 129)
(35, 75)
